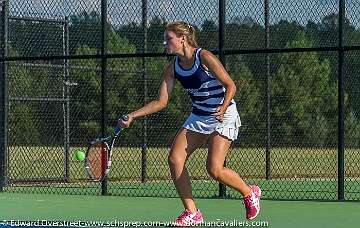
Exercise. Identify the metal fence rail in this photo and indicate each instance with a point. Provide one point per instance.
(68, 70)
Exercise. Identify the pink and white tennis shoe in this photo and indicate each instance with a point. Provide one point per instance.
(252, 202)
(189, 219)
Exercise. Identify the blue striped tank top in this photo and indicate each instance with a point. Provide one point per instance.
(205, 91)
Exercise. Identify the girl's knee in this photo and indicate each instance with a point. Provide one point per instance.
(175, 160)
(214, 171)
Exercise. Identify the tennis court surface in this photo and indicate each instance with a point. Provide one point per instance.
(35, 210)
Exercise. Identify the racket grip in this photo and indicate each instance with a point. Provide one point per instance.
(118, 128)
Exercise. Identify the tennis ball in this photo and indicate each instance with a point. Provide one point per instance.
(80, 155)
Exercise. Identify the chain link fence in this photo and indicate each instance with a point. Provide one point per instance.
(284, 57)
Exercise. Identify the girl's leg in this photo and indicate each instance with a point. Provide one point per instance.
(218, 149)
(184, 144)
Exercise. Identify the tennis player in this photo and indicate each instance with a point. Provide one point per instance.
(214, 118)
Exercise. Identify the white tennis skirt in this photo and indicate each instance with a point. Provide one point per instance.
(208, 124)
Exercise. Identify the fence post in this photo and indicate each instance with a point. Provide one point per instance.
(144, 74)
(103, 80)
(341, 92)
(66, 99)
(268, 98)
(3, 93)
(222, 187)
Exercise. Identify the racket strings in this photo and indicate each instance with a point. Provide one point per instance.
(97, 160)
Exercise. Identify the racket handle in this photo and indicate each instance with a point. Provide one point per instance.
(118, 128)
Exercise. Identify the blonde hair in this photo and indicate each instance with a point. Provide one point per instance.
(181, 28)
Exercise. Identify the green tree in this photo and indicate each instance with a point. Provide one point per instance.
(24, 129)
(246, 33)
(208, 36)
(304, 98)
(326, 34)
(85, 29)
(33, 38)
(155, 34)
(284, 32)
(122, 90)
(249, 102)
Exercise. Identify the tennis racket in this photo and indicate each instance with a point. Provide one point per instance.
(98, 154)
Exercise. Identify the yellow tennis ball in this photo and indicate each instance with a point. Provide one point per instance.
(80, 155)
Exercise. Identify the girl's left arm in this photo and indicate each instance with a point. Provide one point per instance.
(217, 69)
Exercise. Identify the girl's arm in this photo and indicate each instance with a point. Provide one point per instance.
(217, 69)
(161, 102)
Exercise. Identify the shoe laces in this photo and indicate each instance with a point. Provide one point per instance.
(183, 215)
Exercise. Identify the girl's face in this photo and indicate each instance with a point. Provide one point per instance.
(173, 44)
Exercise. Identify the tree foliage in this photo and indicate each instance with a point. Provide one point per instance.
(304, 98)
(303, 85)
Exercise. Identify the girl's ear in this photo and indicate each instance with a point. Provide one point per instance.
(183, 38)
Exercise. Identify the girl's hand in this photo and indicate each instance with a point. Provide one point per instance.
(219, 114)
(125, 121)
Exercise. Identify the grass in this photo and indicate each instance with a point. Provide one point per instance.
(303, 173)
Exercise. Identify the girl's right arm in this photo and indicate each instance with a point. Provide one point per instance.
(161, 102)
